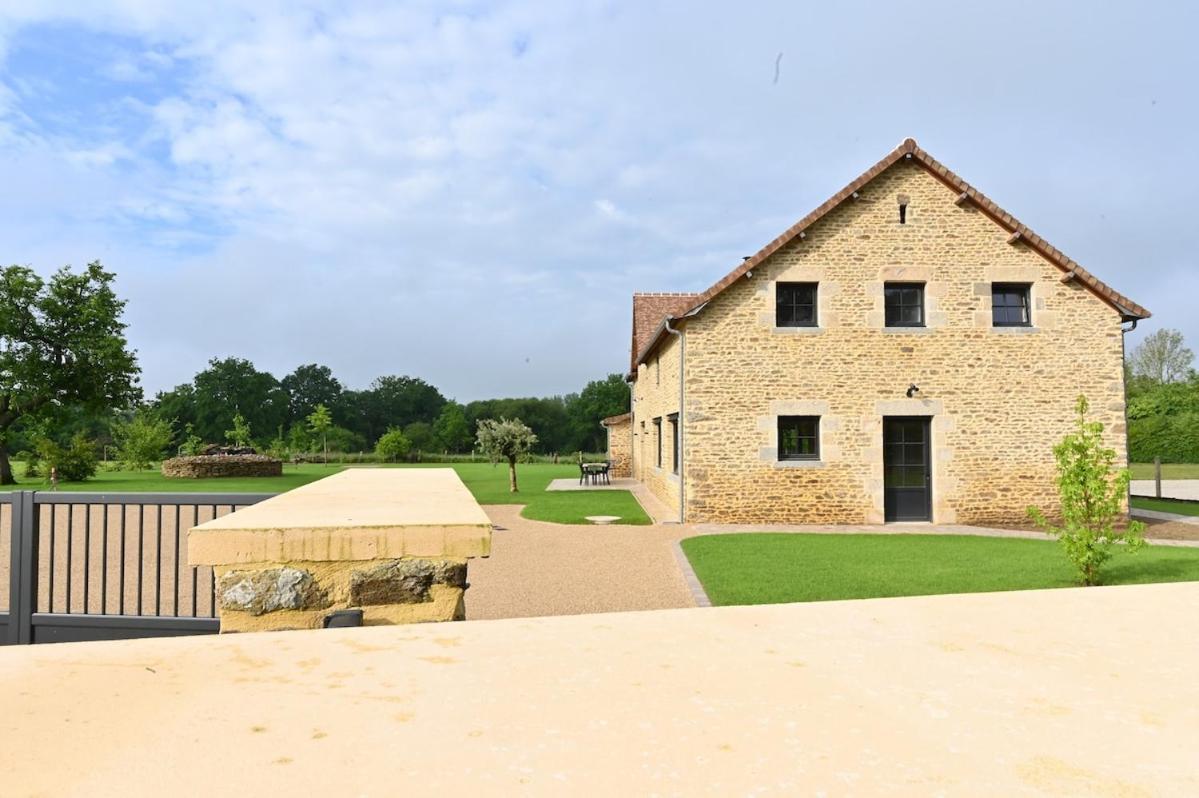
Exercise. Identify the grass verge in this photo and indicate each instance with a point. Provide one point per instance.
(488, 483)
(1169, 470)
(1166, 505)
(767, 568)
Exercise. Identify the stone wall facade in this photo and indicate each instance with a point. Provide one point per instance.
(655, 408)
(299, 595)
(620, 445)
(999, 398)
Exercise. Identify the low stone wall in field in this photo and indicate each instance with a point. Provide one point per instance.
(222, 465)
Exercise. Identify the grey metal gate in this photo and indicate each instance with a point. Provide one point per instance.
(106, 566)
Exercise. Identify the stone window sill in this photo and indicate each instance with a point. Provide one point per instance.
(1015, 330)
(798, 330)
(799, 464)
(909, 330)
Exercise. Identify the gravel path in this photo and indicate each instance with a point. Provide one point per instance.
(538, 568)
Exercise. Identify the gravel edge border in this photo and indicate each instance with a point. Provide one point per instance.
(692, 581)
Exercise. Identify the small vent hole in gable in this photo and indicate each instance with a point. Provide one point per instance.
(903, 208)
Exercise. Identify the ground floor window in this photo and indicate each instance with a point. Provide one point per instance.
(673, 418)
(658, 440)
(799, 438)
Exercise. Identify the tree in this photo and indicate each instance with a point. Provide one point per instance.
(62, 343)
(396, 402)
(451, 429)
(240, 434)
(597, 401)
(308, 387)
(1092, 494)
(234, 386)
(1162, 357)
(142, 439)
(392, 445)
(319, 421)
(506, 439)
(420, 436)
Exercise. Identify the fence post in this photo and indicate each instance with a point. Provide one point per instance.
(15, 537)
(23, 543)
(1157, 476)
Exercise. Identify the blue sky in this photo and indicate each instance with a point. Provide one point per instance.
(470, 192)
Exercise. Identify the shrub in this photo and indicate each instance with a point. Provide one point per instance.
(1092, 500)
(392, 445)
(141, 440)
(73, 463)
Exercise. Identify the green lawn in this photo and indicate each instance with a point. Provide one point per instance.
(1169, 470)
(765, 568)
(1166, 505)
(488, 483)
(573, 507)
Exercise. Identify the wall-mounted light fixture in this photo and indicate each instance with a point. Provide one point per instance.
(912, 390)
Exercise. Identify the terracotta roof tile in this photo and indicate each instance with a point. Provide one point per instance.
(649, 310)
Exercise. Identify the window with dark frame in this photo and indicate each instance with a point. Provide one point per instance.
(658, 437)
(795, 305)
(1010, 305)
(904, 304)
(673, 418)
(799, 438)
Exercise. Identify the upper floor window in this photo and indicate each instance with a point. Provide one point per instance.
(1010, 305)
(795, 305)
(904, 303)
(799, 438)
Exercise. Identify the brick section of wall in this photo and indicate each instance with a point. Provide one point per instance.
(1000, 399)
(656, 395)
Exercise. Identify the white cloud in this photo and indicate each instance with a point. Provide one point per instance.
(448, 189)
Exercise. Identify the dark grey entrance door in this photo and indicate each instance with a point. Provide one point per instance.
(907, 475)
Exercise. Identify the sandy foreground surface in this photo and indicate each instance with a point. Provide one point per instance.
(1075, 691)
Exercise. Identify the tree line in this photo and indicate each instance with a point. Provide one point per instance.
(310, 407)
(69, 391)
(1163, 400)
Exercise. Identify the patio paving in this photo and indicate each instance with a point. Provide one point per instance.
(1171, 488)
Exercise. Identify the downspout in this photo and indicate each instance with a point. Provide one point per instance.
(682, 414)
(1124, 381)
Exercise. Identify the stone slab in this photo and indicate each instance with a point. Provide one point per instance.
(357, 514)
(1063, 692)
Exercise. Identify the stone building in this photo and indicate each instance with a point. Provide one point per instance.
(908, 351)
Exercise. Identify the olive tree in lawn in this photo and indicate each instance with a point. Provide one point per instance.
(62, 343)
(505, 439)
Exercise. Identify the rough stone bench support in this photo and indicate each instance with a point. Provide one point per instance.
(393, 542)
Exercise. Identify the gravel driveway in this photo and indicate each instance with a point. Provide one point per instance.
(538, 568)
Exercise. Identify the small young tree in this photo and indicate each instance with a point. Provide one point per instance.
(240, 434)
(192, 443)
(506, 439)
(319, 421)
(1092, 500)
(141, 440)
(392, 445)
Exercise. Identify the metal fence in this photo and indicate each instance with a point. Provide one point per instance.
(103, 566)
